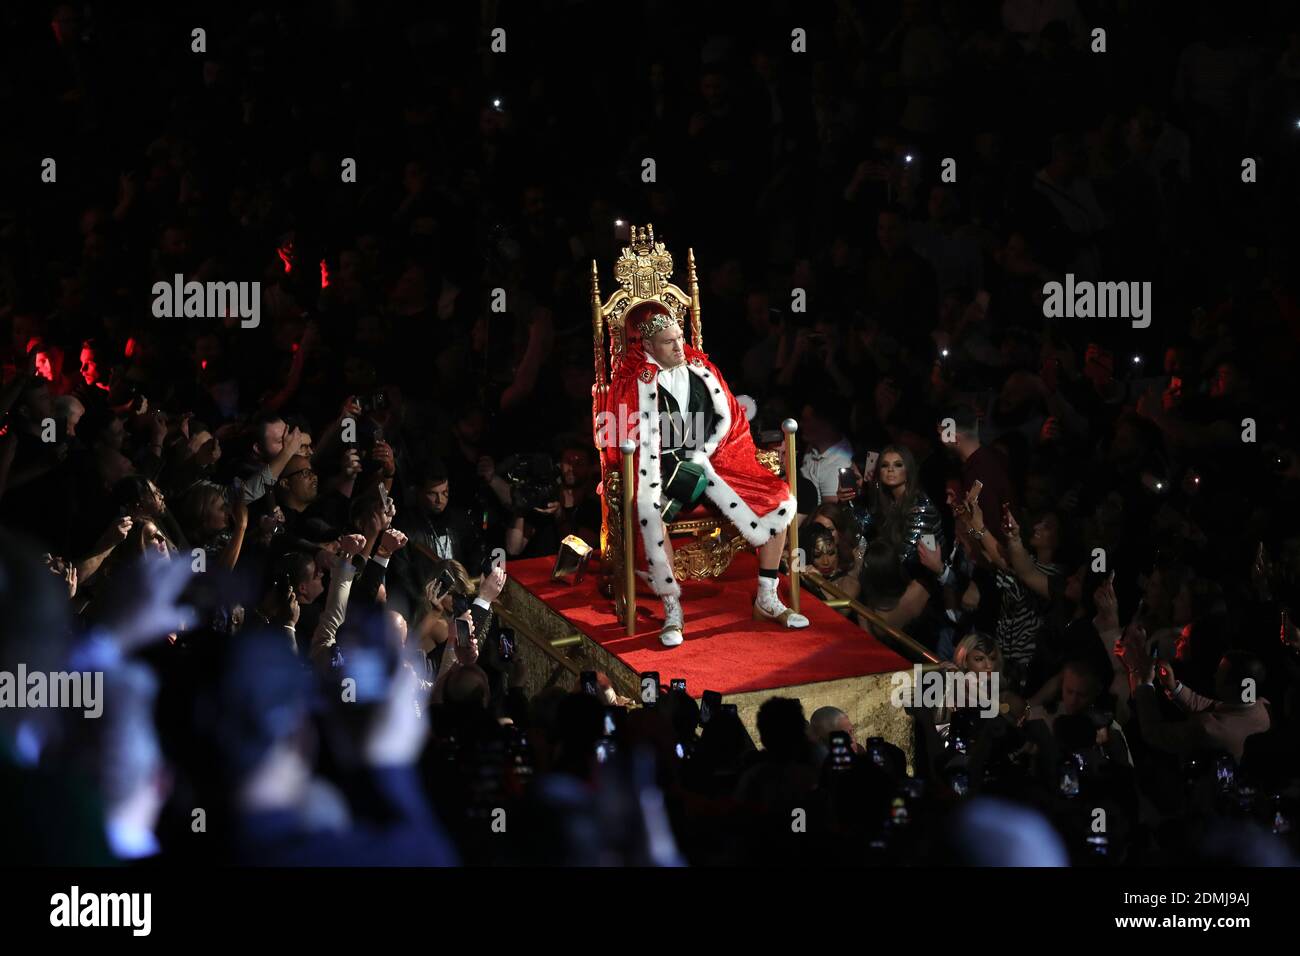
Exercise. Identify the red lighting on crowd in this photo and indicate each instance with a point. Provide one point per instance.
(285, 255)
(324, 275)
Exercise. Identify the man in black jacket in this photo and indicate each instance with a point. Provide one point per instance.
(436, 529)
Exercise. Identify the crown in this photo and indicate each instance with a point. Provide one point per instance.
(650, 318)
(641, 240)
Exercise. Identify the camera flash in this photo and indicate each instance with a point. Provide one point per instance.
(943, 352)
(1137, 360)
(1160, 486)
(907, 158)
(618, 222)
(497, 103)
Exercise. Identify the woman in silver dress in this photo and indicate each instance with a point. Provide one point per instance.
(894, 509)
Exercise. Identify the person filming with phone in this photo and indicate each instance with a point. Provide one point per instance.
(893, 508)
(1221, 723)
(827, 449)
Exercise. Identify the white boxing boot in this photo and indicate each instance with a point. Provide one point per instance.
(672, 635)
(768, 606)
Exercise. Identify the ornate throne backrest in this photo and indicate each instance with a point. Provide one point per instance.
(642, 272)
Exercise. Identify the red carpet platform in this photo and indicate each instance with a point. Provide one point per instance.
(725, 650)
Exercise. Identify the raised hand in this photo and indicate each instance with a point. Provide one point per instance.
(383, 453)
(391, 541)
(971, 503)
(489, 589)
(951, 499)
(209, 453)
(268, 524)
(65, 571)
(467, 655)
(849, 494)
(930, 557)
(351, 544)
(372, 524)
(295, 439)
(1165, 676)
(291, 610)
(144, 601)
(1132, 650)
(1107, 616)
(398, 733)
(351, 463)
(1011, 527)
(280, 604)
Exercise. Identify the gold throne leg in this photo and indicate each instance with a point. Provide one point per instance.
(629, 546)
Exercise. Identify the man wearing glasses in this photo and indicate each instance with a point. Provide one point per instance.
(296, 491)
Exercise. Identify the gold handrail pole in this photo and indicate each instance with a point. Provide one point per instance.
(629, 543)
(598, 346)
(510, 619)
(790, 426)
(894, 637)
(693, 287)
(598, 390)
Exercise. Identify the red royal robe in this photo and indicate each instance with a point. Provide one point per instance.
(756, 501)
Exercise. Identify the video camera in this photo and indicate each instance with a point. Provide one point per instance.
(534, 482)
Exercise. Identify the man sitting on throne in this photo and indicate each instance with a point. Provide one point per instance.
(692, 441)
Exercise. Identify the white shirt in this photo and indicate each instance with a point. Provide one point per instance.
(676, 381)
(822, 468)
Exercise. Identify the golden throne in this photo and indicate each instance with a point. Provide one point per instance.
(642, 272)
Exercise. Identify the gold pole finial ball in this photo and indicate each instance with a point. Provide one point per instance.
(627, 447)
(789, 426)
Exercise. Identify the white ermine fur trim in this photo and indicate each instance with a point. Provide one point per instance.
(756, 529)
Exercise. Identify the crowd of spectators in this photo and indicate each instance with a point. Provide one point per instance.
(276, 542)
